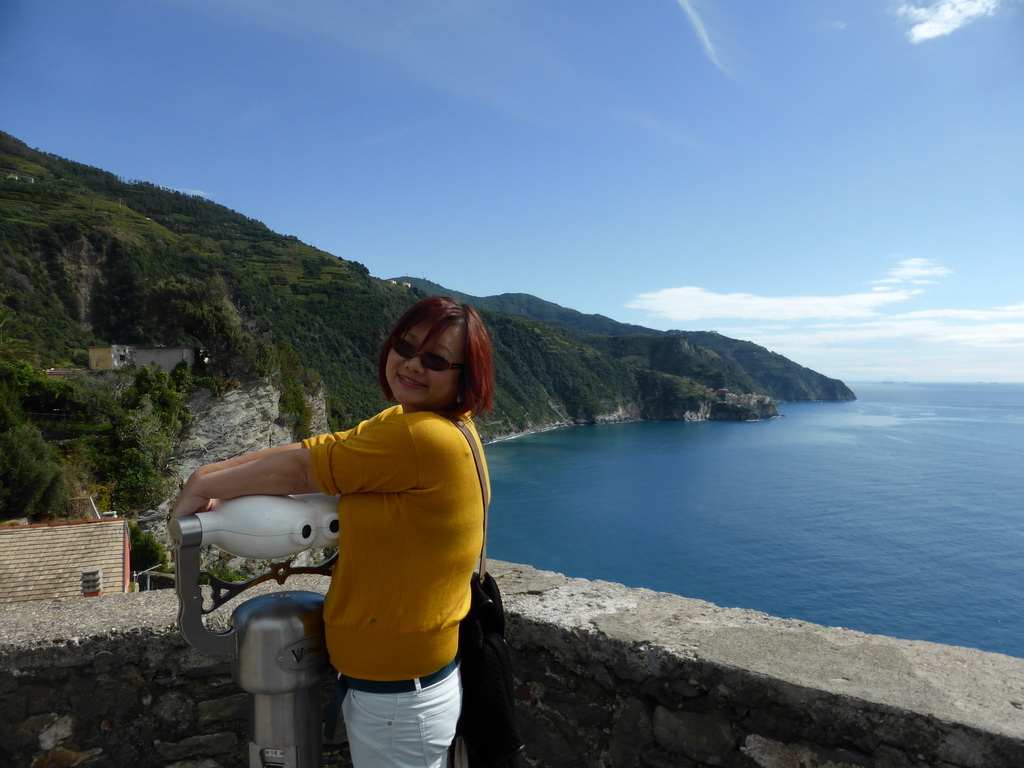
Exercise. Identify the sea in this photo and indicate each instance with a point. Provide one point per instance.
(900, 513)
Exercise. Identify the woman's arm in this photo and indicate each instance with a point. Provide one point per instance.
(279, 471)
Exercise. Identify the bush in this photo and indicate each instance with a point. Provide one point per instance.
(146, 550)
(31, 479)
(139, 481)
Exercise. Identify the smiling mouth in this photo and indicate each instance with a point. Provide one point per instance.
(410, 383)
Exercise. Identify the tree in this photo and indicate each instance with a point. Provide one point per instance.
(31, 479)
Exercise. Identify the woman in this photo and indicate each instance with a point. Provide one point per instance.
(411, 517)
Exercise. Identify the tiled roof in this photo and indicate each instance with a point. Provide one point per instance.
(46, 561)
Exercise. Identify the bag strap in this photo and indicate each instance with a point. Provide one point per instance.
(483, 489)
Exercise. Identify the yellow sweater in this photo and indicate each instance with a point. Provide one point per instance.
(411, 521)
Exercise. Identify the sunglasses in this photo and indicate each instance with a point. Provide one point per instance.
(431, 360)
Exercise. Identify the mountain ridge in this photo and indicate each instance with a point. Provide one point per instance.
(744, 365)
(535, 308)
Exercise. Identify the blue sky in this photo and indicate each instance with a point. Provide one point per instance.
(841, 181)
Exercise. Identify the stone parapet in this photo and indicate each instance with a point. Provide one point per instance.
(625, 678)
(608, 676)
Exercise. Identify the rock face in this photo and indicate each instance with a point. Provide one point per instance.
(241, 421)
(234, 423)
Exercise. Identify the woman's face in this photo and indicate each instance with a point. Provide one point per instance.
(418, 388)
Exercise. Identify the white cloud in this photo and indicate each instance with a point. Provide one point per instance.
(902, 347)
(915, 271)
(701, 31)
(916, 328)
(943, 17)
(689, 303)
(857, 336)
(970, 315)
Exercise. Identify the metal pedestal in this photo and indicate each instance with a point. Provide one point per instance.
(277, 649)
(281, 662)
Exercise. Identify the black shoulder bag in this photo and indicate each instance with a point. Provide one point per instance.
(487, 725)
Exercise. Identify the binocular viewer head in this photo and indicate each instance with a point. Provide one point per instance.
(262, 527)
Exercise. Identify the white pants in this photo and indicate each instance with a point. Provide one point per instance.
(403, 730)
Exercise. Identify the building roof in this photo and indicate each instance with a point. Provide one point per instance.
(45, 561)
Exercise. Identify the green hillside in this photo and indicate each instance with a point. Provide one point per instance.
(92, 260)
(89, 259)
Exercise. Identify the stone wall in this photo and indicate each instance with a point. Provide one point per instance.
(626, 678)
(609, 676)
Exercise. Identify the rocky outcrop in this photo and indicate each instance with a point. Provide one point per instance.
(240, 421)
(225, 425)
(701, 411)
(618, 415)
(236, 422)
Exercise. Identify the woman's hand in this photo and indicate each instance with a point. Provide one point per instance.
(191, 503)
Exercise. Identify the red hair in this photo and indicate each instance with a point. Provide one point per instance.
(476, 377)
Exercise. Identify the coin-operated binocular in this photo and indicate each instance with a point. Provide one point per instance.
(275, 641)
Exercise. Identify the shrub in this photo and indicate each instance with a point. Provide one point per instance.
(31, 479)
(146, 550)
